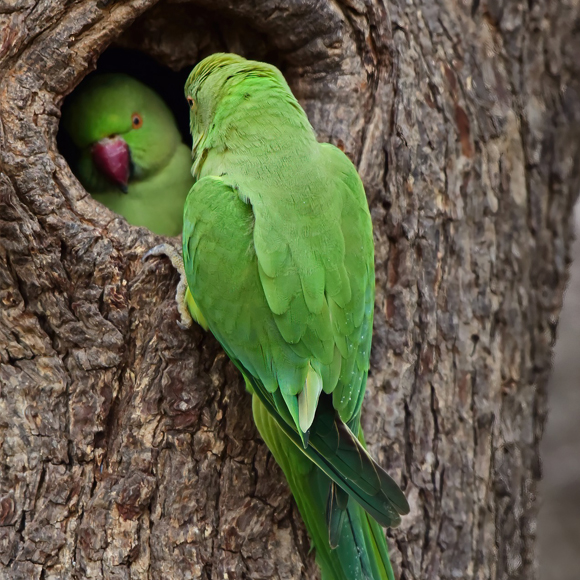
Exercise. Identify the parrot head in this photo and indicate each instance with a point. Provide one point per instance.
(218, 85)
(122, 132)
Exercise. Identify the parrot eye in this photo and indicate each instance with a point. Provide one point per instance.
(137, 121)
(190, 102)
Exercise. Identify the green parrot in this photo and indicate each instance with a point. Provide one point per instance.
(130, 155)
(279, 265)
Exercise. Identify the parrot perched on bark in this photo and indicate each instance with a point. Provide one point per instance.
(129, 152)
(279, 265)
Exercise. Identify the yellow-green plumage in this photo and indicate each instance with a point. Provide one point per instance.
(278, 252)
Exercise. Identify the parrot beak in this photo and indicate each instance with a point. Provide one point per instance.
(112, 158)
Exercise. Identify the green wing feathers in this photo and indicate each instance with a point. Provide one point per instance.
(311, 280)
(342, 457)
(226, 286)
(227, 289)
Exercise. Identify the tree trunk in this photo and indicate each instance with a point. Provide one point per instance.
(127, 448)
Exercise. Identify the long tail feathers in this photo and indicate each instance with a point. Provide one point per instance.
(334, 448)
(361, 549)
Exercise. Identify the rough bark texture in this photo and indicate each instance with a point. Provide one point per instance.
(127, 448)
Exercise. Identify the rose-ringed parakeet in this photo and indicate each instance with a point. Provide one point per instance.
(129, 152)
(278, 256)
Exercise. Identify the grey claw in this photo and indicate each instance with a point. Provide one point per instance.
(184, 325)
(155, 251)
(177, 261)
(146, 255)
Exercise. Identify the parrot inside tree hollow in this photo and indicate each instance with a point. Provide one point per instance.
(278, 256)
(130, 154)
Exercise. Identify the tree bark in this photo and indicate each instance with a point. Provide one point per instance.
(127, 448)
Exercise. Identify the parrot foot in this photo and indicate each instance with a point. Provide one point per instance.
(177, 262)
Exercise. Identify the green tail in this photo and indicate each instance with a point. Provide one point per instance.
(362, 552)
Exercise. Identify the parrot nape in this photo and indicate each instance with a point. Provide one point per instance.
(279, 261)
(129, 152)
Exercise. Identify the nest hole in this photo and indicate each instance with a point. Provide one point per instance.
(162, 46)
(160, 49)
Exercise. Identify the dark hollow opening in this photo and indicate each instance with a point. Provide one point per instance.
(135, 63)
(162, 46)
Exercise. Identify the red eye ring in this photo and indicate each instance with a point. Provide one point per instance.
(190, 102)
(136, 121)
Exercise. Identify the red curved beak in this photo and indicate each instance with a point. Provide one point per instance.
(112, 159)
